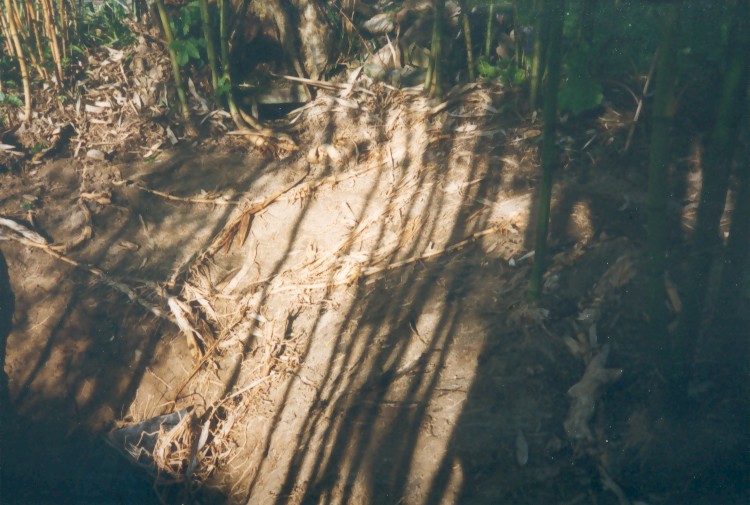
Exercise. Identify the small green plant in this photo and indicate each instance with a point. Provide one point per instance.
(188, 36)
(507, 71)
(486, 69)
(224, 87)
(38, 148)
(6, 99)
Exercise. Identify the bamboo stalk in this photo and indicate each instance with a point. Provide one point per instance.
(64, 28)
(50, 29)
(239, 120)
(30, 37)
(175, 66)
(538, 61)
(556, 10)
(9, 47)
(434, 79)
(210, 47)
(659, 159)
(467, 38)
(488, 34)
(13, 29)
(73, 15)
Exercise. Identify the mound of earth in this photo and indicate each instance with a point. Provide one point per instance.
(346, 325)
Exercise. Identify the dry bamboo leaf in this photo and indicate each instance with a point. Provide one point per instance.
(228, 239)
(96, 154)
(171, 136)
(244, 230)
(181, 312)
(20, 229)
(130, 246)
(93, 109)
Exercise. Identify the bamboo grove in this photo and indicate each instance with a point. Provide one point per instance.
(37, 35)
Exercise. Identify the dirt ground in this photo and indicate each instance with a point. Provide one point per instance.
(354, 321)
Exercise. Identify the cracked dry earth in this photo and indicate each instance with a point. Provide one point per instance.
(362, 338)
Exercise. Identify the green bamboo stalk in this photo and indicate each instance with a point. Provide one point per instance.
(467, 38)
(210, 47)
(549, 150)
(175, 65)
(488, 33)
(737, 258)
(239, 120)
(660, 156)
(434, 79)
(540, 52)
(717, 159)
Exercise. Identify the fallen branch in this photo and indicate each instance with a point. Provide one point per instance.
(183, 199)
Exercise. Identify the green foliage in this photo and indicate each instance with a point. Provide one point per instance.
(579, 92)
(187, 49)
(188, 22)
(487, 70)
(225, 86)
(507, 71)
(189, 43)
(103, 25)
(38, 148)
(6, 99)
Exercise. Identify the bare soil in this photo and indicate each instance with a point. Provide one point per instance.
(358, 330)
